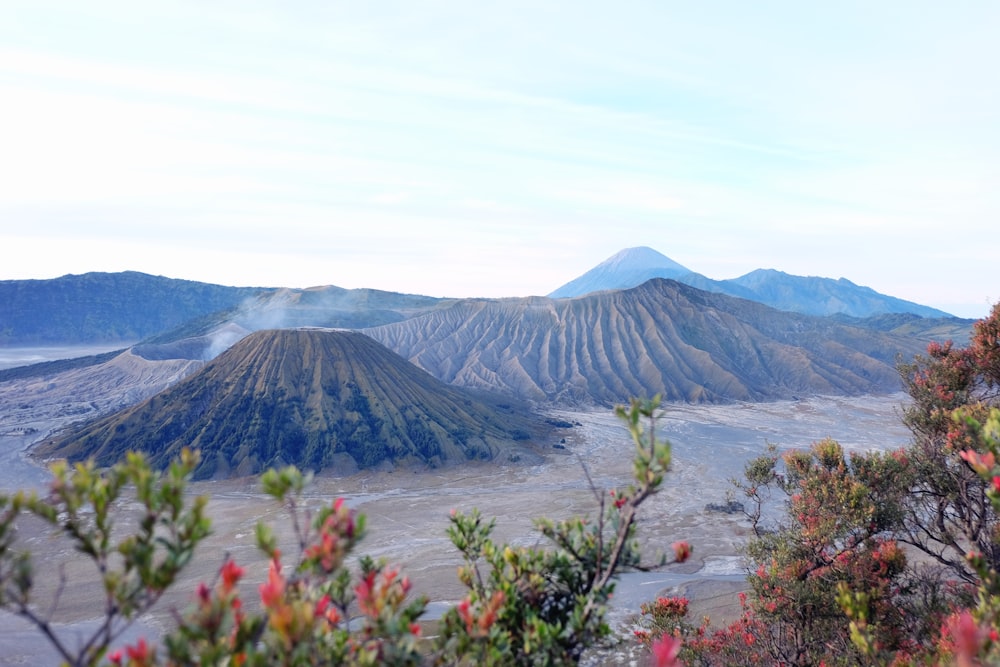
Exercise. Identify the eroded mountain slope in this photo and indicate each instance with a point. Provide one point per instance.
(661, 337)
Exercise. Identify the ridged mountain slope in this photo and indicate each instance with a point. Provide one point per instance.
(662, 337)
(907, 324)
(315, 398)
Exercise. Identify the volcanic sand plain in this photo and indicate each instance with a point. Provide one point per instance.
(407, 510)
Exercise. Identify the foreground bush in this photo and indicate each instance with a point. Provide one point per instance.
(879, 558)
(524, 605)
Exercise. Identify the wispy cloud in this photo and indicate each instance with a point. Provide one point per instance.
(308, 140)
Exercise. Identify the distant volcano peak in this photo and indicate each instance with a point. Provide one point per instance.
(627, 268)
(642, 257)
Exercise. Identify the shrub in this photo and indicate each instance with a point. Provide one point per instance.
(539, 606)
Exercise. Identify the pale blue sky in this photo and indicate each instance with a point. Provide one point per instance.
(460, 149)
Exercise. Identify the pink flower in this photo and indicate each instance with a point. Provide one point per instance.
(665, 651)
(968, 638)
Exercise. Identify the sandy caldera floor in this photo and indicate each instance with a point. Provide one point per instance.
(408, 511)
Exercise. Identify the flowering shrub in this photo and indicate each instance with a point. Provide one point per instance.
(948, 510)
(134, 570)
(531, 606)
(831, 583)
(524, 606)
(839, 510)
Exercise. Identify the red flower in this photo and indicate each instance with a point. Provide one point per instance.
(272, 592)
(465, 613)
(365, 594)
(325, 610)
(231, 573)
(682, 551)
(138, 653)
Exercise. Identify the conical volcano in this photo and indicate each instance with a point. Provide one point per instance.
(319, 399)
(625, 269)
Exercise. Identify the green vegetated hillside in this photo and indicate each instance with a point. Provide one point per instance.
(132, 306)
(105, 307)
(322, 400)
(661, 337)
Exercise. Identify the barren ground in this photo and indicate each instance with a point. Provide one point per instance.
(407, 511)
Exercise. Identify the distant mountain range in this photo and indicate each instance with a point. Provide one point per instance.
(106, 307)
(128, 307)
(322, 400)
(426, 381)
(810, 295)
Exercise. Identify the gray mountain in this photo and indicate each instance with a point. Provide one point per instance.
(132, 306)
(106, 307)
(625, 269)
(799, 294)
(661, 337)
(821, 296)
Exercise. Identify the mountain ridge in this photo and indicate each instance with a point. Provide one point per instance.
(106, 307)
(810, 295)
(131, 306)
(661, 337)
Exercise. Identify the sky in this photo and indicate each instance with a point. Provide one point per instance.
(502, 149)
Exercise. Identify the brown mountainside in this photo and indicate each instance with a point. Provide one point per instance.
(661, 337)
(319, 399)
